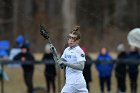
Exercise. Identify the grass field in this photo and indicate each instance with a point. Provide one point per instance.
(16, 84)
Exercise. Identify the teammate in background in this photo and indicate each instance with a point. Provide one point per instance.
(16, 49)
(133, 38)
(87, 69)
(133, 71)
(105, 69)
(28, 69)
(73, 58)
(50, 69)
(120, 69)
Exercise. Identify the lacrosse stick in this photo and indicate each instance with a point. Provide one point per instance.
(133, 37)
(45, 34)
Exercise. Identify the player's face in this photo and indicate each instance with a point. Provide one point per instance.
(132, 48)
(72, 40)
(103, 50)
(24, 50)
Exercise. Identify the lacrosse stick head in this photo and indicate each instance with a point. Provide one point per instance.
(44, 32)
(133, 37)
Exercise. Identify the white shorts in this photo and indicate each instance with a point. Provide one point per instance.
(74, 88)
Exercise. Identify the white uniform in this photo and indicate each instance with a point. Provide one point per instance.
(13, 53)
(75, 82)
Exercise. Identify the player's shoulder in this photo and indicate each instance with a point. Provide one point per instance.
(79, 50)
(66, 49)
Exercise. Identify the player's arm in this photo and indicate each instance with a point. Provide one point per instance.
(77, 65)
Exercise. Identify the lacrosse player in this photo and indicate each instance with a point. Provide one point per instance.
(73, 58)
(133, 38)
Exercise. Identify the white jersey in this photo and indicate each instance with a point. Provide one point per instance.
(13, 53)
(74, 55)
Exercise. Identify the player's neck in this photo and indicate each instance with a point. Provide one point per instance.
(71, 47)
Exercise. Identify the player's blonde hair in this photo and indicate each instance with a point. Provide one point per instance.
(76, 32)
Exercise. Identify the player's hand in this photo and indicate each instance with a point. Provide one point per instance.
(61, 63)
(51, 47)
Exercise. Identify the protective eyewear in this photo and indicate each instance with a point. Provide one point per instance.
(71, 37)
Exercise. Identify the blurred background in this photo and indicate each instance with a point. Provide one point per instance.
(103, 23)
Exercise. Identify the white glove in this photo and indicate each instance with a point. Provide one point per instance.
(53, 48)
(61, 63)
